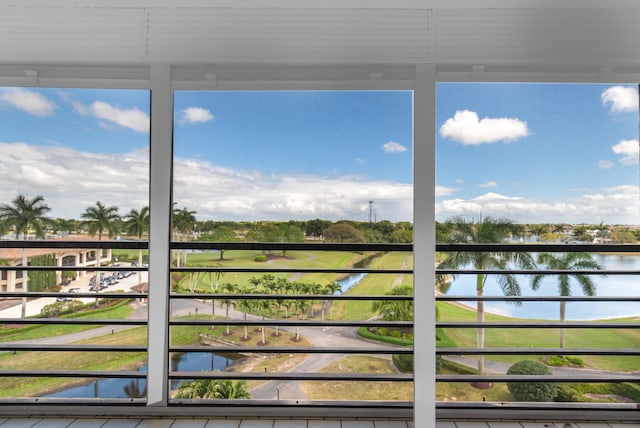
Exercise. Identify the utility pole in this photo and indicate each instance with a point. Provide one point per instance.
(370, 211)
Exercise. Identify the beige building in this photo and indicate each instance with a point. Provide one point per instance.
(13, 280)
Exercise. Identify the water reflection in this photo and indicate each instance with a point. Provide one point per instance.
(137, 388)
(611, 285)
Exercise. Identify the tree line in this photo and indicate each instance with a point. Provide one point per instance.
(25, 217)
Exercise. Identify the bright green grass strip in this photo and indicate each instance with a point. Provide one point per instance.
(373, 284)
(119, 311)
(544, 338)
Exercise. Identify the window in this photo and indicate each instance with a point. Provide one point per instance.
(74, 167)
(305, 167)
(535, 164)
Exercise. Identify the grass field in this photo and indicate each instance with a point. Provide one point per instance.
(545, 338)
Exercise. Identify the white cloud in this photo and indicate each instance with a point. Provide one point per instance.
(444, 191)
(620, 99)
(133, 118)
(605, 164)
(28, 101)
(250, 195)
(72, 180)
(192, 115)
(467, 128)
(393, 147)
(488, 184)
(628, 149)
(617, 205)
(361, 160)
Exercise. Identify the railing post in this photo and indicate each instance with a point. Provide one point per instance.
(159, 234)
(424, 245)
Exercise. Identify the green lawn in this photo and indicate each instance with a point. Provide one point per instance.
(374, 284)
(118, 311)
(544, 338)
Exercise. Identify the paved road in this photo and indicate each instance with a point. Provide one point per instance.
(346, 337)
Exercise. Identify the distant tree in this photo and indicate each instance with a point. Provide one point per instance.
(263, 232)
(220, 234)
(183, 222)
(100, 219)
(623, 236)
(23, 215)
(343, 232)
(228, 288)
(581, 233)
(315, 227)
(568, 262)
(137, 223)
(64, 225)
(402, 236)
(602, 232)
(442, 232)
(374, 236)
(290, 233)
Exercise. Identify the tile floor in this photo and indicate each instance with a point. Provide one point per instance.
(50, 422)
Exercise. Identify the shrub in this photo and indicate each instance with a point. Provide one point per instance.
(56, 309)
(564, 361)
(531, 391)
(260, 258)
(404, 362)
(627, 389)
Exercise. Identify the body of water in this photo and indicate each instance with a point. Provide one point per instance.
(612, 285)
(136, 388)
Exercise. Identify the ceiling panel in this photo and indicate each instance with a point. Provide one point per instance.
(533, 36)
(288, 36)
(71, 35)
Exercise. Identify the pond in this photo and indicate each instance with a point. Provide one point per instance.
(136, 388)
(611, 285)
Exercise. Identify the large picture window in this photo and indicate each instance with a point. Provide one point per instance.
(295, 167)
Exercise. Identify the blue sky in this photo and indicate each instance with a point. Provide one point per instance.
(538, 152)
(238, 155)
(529, 152)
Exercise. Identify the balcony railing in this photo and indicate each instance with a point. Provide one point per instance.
(617, 355)
(190, 312)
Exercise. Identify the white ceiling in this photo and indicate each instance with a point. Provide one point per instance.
(284, 32)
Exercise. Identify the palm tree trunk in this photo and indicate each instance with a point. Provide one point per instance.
(98, 275)
(480, 319)
(139, 265)
(25, 283)
(563, 308)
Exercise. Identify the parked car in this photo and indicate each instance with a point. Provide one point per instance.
(66, 298)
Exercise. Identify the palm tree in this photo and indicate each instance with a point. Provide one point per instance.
(100, 219)
(486, 231)
(24, 214)
(567, 262)
(213, 389)
(602, 232)
(183, 223)
(332, 288)
(228, 288)
(137, 223)
(396, 310)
